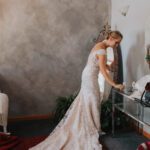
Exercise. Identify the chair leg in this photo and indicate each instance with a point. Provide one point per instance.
(5, 129)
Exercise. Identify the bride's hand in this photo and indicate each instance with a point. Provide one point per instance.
(119, 86)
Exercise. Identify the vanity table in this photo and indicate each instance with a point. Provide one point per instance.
(129, 106)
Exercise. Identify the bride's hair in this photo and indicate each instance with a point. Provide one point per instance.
(115, 34)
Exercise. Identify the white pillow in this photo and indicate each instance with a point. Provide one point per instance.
(140, 84)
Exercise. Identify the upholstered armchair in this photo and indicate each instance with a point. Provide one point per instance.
(3, 111)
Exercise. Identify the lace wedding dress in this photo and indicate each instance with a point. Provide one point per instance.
(80, 127)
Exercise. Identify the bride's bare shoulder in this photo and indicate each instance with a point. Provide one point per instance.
(99, 45)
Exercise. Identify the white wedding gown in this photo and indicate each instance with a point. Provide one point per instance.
(80, 127)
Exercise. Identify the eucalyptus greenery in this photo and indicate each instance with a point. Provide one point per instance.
(147, 57)
(106, 115)
(63, 103)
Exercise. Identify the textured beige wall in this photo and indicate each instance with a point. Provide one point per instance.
(44, 46)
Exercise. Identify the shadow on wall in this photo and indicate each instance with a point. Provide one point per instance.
(4, 87)
(136, 59)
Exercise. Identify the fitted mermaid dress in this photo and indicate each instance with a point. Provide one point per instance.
(79, 129)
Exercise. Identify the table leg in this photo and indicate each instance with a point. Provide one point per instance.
(113, 112)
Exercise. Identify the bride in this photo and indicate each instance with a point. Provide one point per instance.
(80, 127)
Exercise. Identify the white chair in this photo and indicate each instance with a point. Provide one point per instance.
(3, 111)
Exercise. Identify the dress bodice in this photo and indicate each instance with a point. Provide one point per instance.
(91, 70)
(92, 59)
(92, 66)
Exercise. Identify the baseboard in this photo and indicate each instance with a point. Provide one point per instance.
(141, 131)
(146, 134)
(31, 117)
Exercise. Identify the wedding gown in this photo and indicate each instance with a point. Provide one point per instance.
(80, 127)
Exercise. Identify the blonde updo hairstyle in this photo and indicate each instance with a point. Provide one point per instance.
(115, 34)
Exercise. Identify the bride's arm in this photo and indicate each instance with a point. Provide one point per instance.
(111, 66)
(103, 69)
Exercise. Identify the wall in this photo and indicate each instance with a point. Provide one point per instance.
(135, 27)
(44, 46)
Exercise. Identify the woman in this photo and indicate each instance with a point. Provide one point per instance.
(80, 128)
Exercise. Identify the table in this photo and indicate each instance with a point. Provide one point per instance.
(129, 106)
